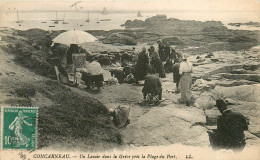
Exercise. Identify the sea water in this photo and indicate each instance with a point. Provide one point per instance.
(77, 20)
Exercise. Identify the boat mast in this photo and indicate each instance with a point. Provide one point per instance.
(17, 15)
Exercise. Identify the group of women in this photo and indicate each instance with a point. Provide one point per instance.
(182, 70)
(148, 61)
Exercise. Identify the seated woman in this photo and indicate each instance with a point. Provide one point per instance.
(93, 74)
(230, 129)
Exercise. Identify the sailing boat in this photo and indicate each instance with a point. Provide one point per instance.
(56, 21)
(18, 21)
(64, 22)
(104, 11)
(88, 18)
(139, 14)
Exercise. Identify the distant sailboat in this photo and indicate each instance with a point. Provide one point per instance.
(88, 18)
(56, 21)
(64, 22)
(18, 21)
(104, 11)
(139, 14)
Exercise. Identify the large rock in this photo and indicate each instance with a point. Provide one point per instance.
(134, 24)
(214, 29)
(251, 67)
(167, 125)
(206, 100)
(241, 38)
(200, 85)
(119, 39)
(233, 68)
(249, 77)
(172, 41)
(156, 20)
(248, 93)
(224, 69)
(229, 83)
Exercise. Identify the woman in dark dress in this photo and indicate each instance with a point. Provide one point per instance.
(74, 48)
(141, 65)
(156, 62)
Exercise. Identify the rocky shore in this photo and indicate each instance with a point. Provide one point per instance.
(226, 64)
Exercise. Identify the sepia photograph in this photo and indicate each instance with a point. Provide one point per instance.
(133, 79)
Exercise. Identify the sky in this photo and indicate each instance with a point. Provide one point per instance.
(143, 5)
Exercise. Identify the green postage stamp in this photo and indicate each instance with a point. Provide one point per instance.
(19, 127)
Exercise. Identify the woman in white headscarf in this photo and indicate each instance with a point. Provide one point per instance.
(186, 80)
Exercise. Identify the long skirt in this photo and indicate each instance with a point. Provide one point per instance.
(185, 86)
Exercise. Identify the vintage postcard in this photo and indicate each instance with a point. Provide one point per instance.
(129, 80)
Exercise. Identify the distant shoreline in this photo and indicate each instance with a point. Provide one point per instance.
(126, 11)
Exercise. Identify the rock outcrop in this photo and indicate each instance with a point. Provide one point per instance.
(118, 39)
(172, 41)
(167, 125)
(134, 24)
(247, 93)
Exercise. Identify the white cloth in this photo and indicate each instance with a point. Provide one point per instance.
(94, 68)
(185, 67)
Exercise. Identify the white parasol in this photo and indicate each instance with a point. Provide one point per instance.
(74, 37)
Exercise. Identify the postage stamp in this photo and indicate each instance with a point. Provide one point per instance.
(19, 127)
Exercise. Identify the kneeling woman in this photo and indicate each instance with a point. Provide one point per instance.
(186, 80)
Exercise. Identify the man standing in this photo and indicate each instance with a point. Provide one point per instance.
(230, 129)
